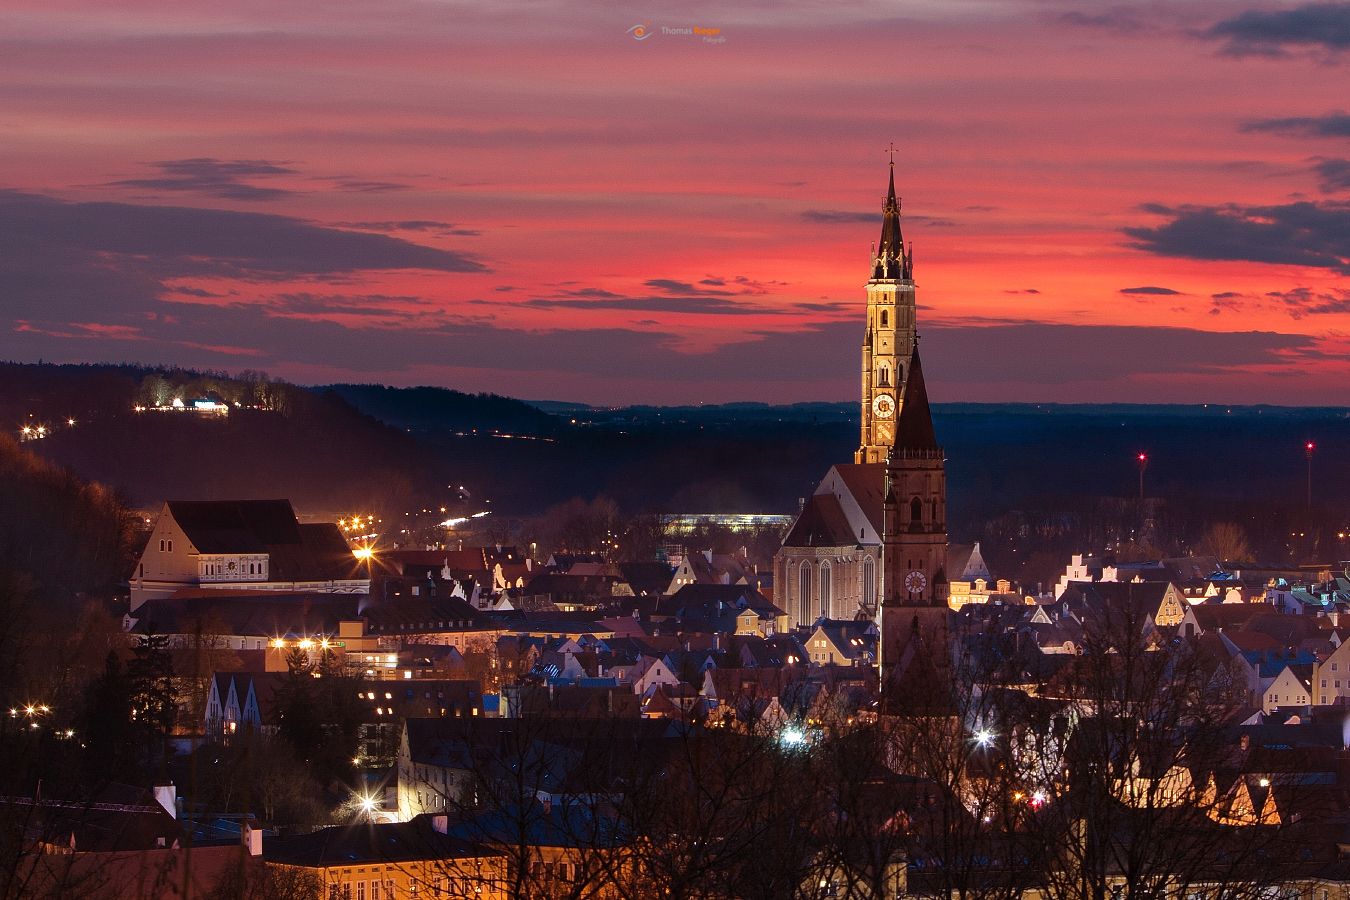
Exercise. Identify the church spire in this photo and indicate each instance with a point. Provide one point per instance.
(890, 260)
(914, 428)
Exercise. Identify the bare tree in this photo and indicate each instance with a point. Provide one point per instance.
(1227, 541)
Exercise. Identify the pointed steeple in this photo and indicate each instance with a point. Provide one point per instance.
(914, 429)
(889, 260)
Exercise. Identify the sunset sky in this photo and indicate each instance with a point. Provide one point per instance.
(1107, 202)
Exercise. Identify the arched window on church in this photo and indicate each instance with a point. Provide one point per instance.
(869, 597)
(884, 376)
(804, 593)
(932, 505)
(916, 510)
(885, 319)
(825, 589)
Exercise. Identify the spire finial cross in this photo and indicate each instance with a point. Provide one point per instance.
(892, 150)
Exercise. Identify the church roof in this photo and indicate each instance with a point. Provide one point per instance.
(236, 526)
(821, 523)
(867, 483)
(914, 430)
(966, 563)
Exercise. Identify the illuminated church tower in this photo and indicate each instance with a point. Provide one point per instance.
(889, 338)
(914, 610)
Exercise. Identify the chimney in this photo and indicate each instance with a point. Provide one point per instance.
(251, 836)
(440, 824)
(166, 795)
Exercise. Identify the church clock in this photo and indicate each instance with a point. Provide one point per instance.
(915, 582)
(883, 407)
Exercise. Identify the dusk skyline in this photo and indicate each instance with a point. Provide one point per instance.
(1140, 203)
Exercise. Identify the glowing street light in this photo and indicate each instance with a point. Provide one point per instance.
(1308, 448)
(369, 805)
(984, 738)
(1142, 461)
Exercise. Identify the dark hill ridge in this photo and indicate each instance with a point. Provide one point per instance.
(309, 446)
(433, 408)
(355, 447)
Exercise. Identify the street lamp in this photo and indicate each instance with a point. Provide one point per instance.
(1308, 448)
(1142, 461)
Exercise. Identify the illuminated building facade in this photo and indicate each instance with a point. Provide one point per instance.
(890, 335)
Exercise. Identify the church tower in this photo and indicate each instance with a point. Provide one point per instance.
(889, 338)
(914, 609)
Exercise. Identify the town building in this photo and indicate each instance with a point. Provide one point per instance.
(243, 544)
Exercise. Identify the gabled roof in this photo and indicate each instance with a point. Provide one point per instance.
(235, 526)
(537, 825)
(424, 614)
(854, 639)
(738, 595)
(647, 577)
(821, 523)
(1129, 598)
(470, 559)
(119, 817)
(966, 563)
(365, 842)
(311, 552)
(867, 483)
(1219, 616)
(264, 614)
(1285, 630)
(322, 554)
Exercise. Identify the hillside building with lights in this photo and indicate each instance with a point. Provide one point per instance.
(243, 545)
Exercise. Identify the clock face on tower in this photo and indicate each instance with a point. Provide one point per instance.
(883, 407)
(915, 582)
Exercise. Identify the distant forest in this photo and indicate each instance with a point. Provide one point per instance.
(1031, 482)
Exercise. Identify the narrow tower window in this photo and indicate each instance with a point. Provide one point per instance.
(885, 319)
(884, 377)
(825, 590)
(915, 510)
(804, 592)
